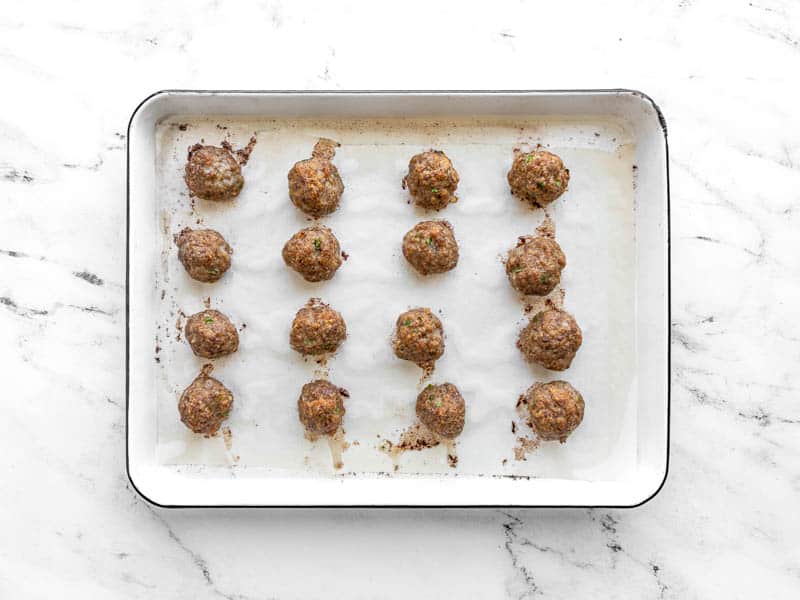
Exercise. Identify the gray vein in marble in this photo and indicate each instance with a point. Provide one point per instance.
(21, 310)
(14, 175)
(88, 277)
(775, 34)
(512, 539)
(678, 335)
(767, 8)
(724, 201)
(93, 166)
(700, 396)
(787, 162)
(17, 254)
(28, 312)
(515, 521)
(83, 274)
(199, 562)
(608, 523)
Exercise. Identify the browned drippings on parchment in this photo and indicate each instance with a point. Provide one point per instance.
(242, 154)
(337, 444)
(418, 437)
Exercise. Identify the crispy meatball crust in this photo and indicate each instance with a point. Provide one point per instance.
(431, 247)
(211, 334)
(555, 409)
(212, 173)
(534, 266)
(205, 404)
(441, 409)
(313, 252)
(538, 177)
(321, 407)
(204, 254)
(551, 339)
(419, 336)
(431, 180)
(317, 329)
(315, 186)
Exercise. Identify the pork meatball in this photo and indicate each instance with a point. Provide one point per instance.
(555, 409)
(431, 247)
(315, 186)
(314, 253)
(534, 266)
(418, 336)
(321, 407)
(538, 177)
(211, 334)
(551, 339)
(431, 180)
(441, 409)
(317, 329)
(213, 173)
(205, 404)
(204, 254)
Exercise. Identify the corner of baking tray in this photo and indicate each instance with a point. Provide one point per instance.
(648, 99)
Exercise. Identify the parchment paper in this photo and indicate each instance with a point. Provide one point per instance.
(481, 313)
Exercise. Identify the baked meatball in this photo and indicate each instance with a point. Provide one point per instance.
(315, 186)
(431, 247)
(418, 336)
(321, 407)
(213, 173)
(317, 329)
(537, 177)
(534, 266)
(211, 334)
(555, 409)
(431, 180)
(204, 254)
(551, 339)
(314, 253)
(205, 404)
(441, 409)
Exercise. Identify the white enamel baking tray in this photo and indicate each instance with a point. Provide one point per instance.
(613, 224)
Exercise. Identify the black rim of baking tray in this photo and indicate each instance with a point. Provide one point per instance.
(634, 92)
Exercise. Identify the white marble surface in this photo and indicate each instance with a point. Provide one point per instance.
(725, 525)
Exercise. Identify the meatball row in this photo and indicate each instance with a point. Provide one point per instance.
(213, 173)
(533, 267)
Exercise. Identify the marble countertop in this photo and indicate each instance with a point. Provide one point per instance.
(726, 523)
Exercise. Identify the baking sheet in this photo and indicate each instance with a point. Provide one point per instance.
(481, 313)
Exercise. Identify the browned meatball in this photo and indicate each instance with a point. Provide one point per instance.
(314, 253)
(315, 186)
(418, 336)
(431, 180)
(441, 409)
(204, 254)
(321, 407)
(205, 404)
(211, 334)
(534, 266)
(431, 247)
(551, 339)
(317, 329)
(555, 409)
(538, 177)
(212, 173)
